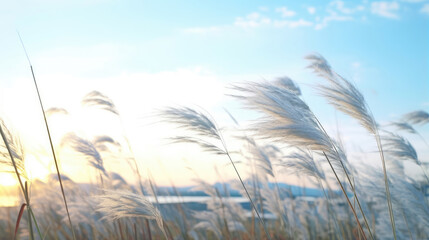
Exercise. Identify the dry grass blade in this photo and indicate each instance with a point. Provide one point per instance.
(18, 220)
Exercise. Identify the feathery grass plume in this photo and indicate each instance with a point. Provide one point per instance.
(273, 203)
(399, 147)
(404, 194)
(342, 94)
(116, 204)
(403, 126)
(17, 151)
(203, 127)
(288, 115)
(302, 162)
(97, 99)
(345, 97)
(260, 158)
(208, 221)
(288, 84)
(86, 148)
(402, 149)
(101, 142)
(417, 117)
(54, 110)
(288, 119)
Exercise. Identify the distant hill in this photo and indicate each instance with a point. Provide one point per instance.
(226, 189)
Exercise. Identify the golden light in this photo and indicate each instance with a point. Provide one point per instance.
(8, 179)
(37, 167)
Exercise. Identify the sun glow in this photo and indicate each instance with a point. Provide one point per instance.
(8, 179)
(37, 167)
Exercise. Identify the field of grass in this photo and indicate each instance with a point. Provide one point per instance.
(356, 201)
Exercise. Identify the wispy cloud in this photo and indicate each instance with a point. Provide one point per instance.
(311, 10)
(340, 6)
(331, 18)
(203, 30)
(292, 24)
(413, 1)
(385, 9)
(252, 20)
(425, 9)
(335, 11)
(285, 12)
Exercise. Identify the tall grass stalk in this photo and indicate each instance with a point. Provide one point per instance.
(291, 120)
(348, 179)
(345, 194)
(205, 126)
(96, 98)
(49, 137)
(345, 97)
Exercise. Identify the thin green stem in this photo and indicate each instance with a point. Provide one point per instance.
(50, 140)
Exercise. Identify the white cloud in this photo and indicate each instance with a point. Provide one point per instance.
(203, 30)
(264, 9)
(311, 10)
(292, 24)
(356, 65)
(340, 6)
(285, 12)
(425, 9)
(252, 20)
(331, 18)
(413, 1)
(385, 9)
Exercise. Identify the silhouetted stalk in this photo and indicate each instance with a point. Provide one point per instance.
(345, 194)
(148, 229)
(30, 224)
(406, 223)
(330, 211)
(386, 183)
(247, 193)
(348, 179)
(137, 170)
(50, 140)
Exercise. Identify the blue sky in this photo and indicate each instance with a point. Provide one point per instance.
(76, 46)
